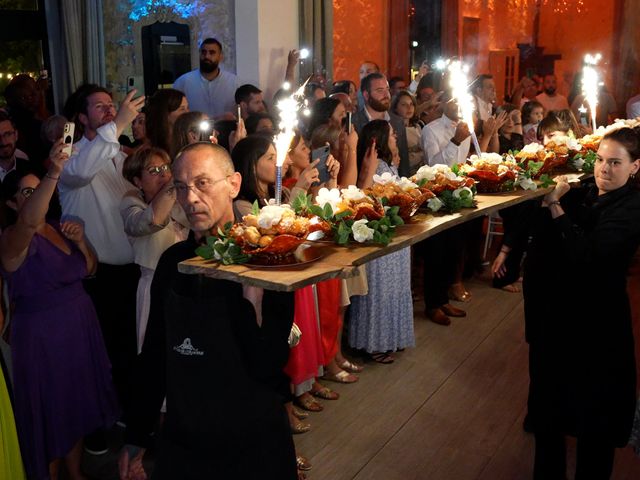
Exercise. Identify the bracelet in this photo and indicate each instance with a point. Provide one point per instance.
(52, 178)
(555, 202)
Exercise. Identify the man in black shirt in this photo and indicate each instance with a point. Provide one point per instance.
(204, 350)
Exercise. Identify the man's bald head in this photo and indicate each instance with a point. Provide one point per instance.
(216, 153)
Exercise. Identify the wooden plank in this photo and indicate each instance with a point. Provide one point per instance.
(339, 261)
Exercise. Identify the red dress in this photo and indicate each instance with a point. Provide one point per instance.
(306, 358)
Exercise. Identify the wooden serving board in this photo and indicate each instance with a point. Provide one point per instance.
(340, 262)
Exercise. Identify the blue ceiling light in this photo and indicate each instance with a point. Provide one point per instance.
(184, 9)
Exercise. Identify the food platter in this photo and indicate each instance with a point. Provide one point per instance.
(303, 255)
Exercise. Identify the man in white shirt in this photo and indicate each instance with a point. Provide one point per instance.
(549, 99)
(446, 140)
(484, 92)
(91, 187)
(209, 89)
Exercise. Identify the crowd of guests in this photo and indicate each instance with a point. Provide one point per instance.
(104, 328)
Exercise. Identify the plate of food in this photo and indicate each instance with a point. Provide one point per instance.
(492, 172)
(399, 192)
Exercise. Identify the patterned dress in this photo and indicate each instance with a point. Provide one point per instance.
(383, 319)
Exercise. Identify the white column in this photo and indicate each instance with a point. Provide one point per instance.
(265, 32)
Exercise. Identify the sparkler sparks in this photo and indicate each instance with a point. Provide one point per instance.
(459, 84)
(591, 84)
(288, 107)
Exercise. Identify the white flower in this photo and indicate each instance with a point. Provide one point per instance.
(578, 163)
(361, 233)
(486, 157)
(532, 148)
(405, 184)
(570, 142)
(445, 170)
(386, 177)
(434, 204)
(352, 194)
(460, 192)
(425, 172)
(526, 183)
(332, 197)
(271, 215)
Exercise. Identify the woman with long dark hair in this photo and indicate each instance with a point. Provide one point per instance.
(577, 314)
(163, 109)
(382, 320)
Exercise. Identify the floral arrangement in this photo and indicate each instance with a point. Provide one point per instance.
(452, 192)
(399, 192)
(492, 172)
(351, 214)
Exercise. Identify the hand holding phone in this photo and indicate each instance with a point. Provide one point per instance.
(67, 137)
(321, 154)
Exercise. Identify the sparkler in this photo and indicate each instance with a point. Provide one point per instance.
(288, 108)
(590, 84)
(459, 84)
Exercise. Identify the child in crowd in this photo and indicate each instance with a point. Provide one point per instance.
(532, 113)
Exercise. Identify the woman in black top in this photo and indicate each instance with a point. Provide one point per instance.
(577, 314)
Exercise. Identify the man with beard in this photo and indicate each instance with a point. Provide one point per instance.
(9, 162)
(377, 101)
(549, 99)
(484, 94)
(210, 89)
(250, 99)
(91, 188)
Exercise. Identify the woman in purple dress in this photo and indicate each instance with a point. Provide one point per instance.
(62, 379)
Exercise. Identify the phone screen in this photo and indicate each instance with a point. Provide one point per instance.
(323, 172)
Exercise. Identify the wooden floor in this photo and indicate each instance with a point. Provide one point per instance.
(449, 409)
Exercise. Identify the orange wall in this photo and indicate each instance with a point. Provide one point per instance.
(360, 32)
(505, 23)
(573, 36)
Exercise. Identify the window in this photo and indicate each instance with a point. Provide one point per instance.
(23, 40)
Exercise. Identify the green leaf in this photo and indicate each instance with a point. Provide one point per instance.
(546, 181)
(534, 167)
(204, 252)
(456, 169)
(342, 214)
(327, 211)
(316, 210)
(422, 182)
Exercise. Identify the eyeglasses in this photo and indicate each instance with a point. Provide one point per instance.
(202, 185)
(27, 191)
(8, 135)
(159, 170)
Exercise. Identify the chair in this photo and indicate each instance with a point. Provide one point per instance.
(494, 228)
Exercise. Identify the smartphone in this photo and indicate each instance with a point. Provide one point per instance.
(323, 172)
(206, 130)
(67, 135)
(349, 125)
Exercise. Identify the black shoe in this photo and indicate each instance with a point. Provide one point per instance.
(96, 443)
